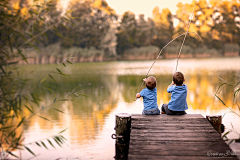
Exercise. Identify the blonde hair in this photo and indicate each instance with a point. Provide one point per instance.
(151, 82)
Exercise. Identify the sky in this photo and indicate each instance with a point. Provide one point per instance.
(144, 6)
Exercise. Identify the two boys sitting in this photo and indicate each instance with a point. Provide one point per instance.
(176, 106)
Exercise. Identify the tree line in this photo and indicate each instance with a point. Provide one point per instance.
(95, 25)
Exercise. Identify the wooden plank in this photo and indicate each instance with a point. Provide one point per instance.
(164, 116)
(154, 131)
(186, 134)
(180, 121)
(170, 124)
(174, 143)
(187, 137)
(203, 147)
(168, 116)
(171, 127)
(193, 139)
(160, 152)
(153, 157)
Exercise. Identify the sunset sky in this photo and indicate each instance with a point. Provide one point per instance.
(144, 6)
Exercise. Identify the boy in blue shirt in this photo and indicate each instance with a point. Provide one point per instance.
(178, 103)
(149, 95)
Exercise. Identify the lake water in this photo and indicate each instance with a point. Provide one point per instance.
(101, 90)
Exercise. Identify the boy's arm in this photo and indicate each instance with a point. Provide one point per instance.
(138, 95)
(171, 84)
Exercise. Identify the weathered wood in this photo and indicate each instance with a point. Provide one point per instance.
(154, 157)
(175, 137)
(122, 136)
(168, 116)
(216, 122)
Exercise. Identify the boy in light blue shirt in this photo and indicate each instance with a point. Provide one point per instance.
(178, 103)
(149, 95)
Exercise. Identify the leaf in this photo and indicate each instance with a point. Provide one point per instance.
(238, 107)
(232, 125)
(230, 141)
(63, 131)
(65, 26)
(225, 81)
(44, 145)
(69, 11)
(29, 150)
(237, 84)
(64, 65)
(2, 128)
(65, 100)
(53, 79)
(43, 79)
(44, 118)
(51, 143)
(220, 100)
(38, 144)
(236, 92)
(54, 100)
(12, 154)
(59, 34)
(20, 52)
(69, 62)
(59, 70)
(220, 86)
(10, 44)
(56, 140)
(58, 110)
(225, 135)
(63, 137)
(20, 122)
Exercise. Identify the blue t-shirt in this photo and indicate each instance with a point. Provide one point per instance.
(178, 100)
(149, 98)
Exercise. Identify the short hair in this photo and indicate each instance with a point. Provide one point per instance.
(178, 78)
(151, 82)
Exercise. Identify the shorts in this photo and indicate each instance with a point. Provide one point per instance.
(170, 112)
(154, 111)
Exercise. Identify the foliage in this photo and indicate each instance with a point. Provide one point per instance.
(22, 29)
(231, 48)
(235, 86)
(216, 22)
(147, 50)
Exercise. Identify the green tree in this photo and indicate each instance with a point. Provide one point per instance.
(127, 32)
(16, 92)
(91, 23)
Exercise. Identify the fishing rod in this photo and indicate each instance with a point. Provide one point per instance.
(186, 34)
(171, 42)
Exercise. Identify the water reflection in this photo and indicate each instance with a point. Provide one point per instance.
(110, 88)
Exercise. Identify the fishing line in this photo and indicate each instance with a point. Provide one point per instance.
(185, 34)
(171, 42)
(163, 49)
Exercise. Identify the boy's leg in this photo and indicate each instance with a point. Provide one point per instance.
(166, 110)
(163, 110)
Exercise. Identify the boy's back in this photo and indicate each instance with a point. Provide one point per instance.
(178, 100)
(149, 98)
(149, 95)
(178, 90)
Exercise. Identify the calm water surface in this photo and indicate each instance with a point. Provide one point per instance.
(100, 90)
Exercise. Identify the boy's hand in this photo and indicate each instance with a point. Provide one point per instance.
(172, 83)
(138, 95)
(144, 80)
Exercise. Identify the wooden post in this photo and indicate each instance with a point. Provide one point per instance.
(122, 136)
(216, 122)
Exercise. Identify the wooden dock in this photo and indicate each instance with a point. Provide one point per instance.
(185, 137)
